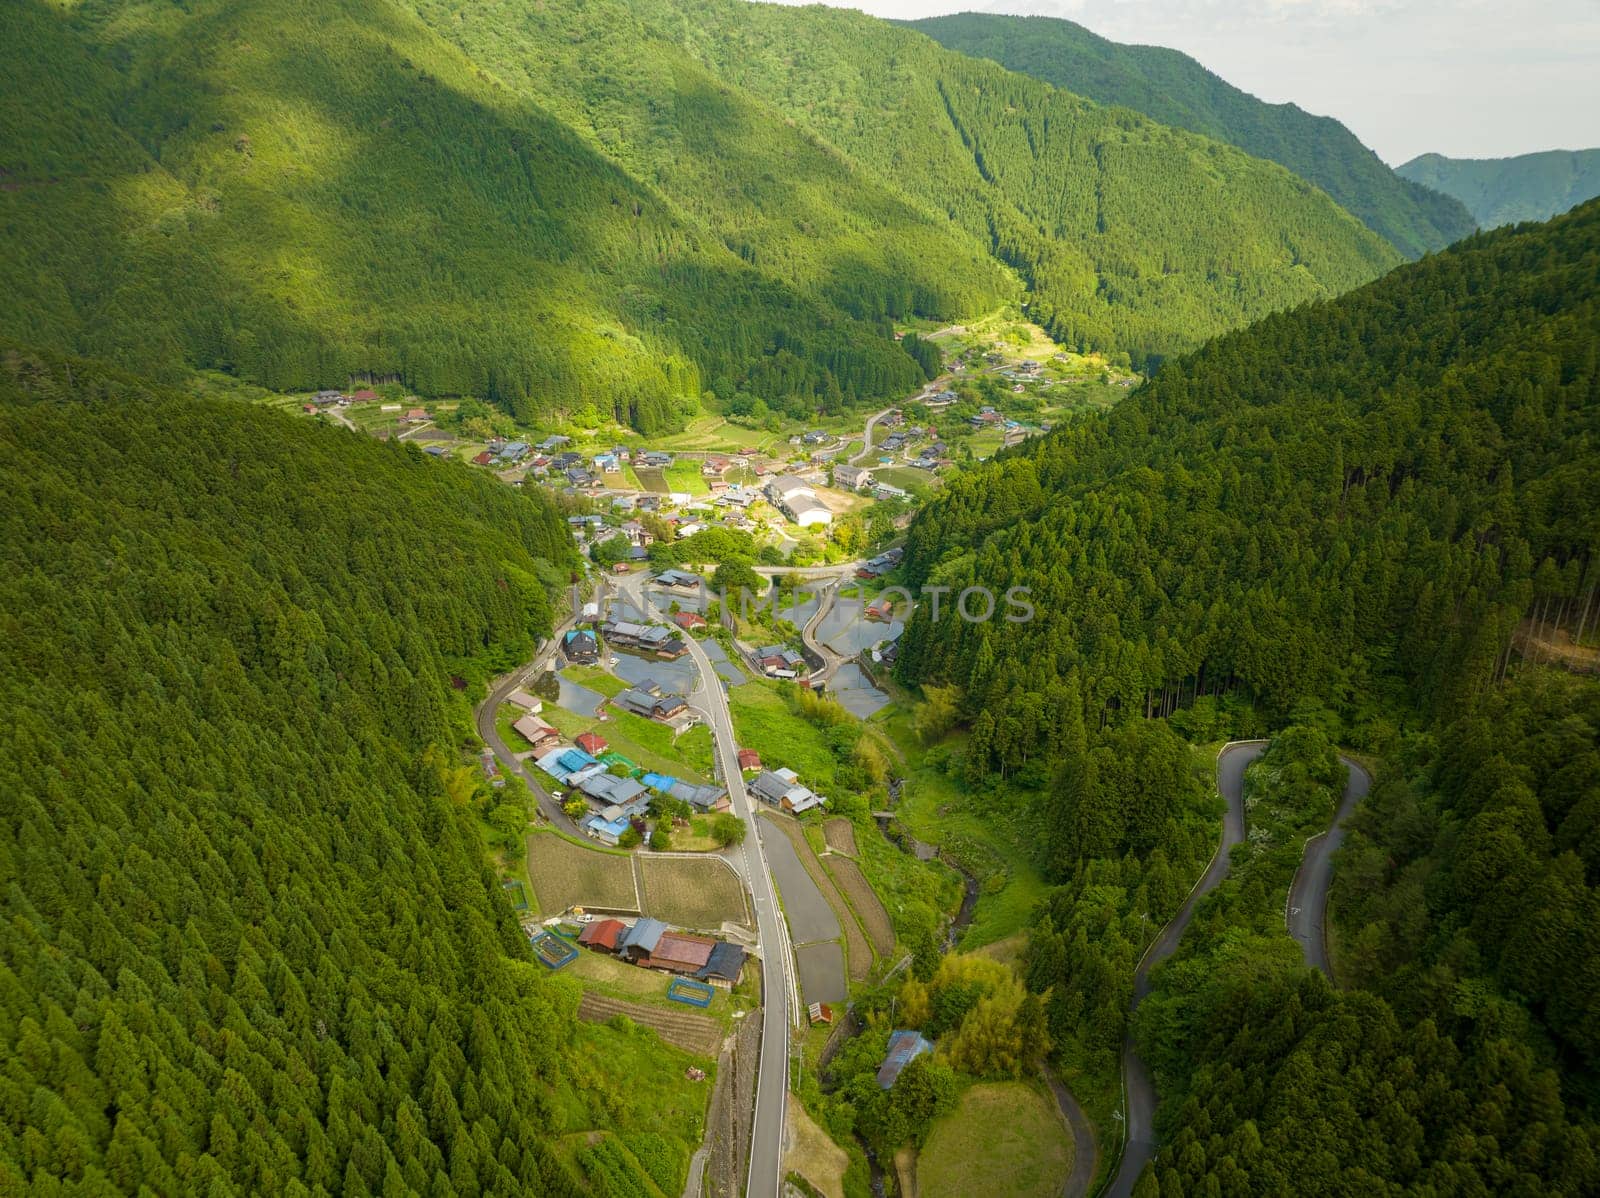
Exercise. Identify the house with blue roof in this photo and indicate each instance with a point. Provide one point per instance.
(641, 939)
(904, 1047)
(565, 764)
(660, 783)
(607, 832)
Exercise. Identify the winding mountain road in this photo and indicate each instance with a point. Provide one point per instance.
(1307, 909)
(1139, 1148)
(1306, 912)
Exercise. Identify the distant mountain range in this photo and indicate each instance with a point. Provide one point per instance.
(1502, 191)
(600, 206)
(1176, 90)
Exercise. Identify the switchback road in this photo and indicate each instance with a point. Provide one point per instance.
(1140, 1146)
(1307, 909)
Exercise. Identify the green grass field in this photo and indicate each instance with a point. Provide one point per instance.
(990, 844)
(686, 476)
(596, 679)
(1007, 1133)
(568, 874)
(643, 742)
(764, 723)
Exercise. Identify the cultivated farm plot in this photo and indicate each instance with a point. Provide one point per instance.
(840, 834)
(874, 918)
(652, 480)
(692, 892)
(566, 874)
(698, 1034)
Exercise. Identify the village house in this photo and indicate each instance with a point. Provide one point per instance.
(536, 732)
(554, 442)
(663, 708)
(851, 477)
(580, 647)
(782, 788)
(749, 759)
(677, 580)
(415, 416)
(607, 832)
(884, 490)
(591, 743)
(602, 935)
(688, 620)
(714, 465)
(529, 703)
(568, 766)
(780, 661)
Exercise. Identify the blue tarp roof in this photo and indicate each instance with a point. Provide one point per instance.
(725, 962)
(661, 782)
(904, 1047)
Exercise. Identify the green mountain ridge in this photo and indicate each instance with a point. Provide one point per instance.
(1170, 87)
(574, 207)
(1351, 524)
(1503, 191)
(253, 944)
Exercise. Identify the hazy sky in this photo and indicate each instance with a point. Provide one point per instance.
(1467, 78)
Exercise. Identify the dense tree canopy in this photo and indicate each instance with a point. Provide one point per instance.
(1170, 87)
(617, 207)
(252, 945)
(1344, 520)
(1352, 501)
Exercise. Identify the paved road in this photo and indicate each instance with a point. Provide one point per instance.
(1140, 1146)
(808, 634)
(491, 735)
(1307, 909)
(1085, 1148)
(866, 437)
(780, 1008)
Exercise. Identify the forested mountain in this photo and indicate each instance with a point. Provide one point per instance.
(1131, 236)
(306, 192)
(564, 204)
(1502, 191)
(1170, 87)
(1335, 519)
(252, 944)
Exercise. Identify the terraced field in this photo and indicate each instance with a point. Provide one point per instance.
(869, 907)
(692, 1033)
(858, 952)
(840, 834)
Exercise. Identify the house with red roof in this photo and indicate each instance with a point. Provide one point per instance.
(602, 935)
(749, 759)
(591, 743)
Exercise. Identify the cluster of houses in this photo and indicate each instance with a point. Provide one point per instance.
(797, 499)
(646, 639)
(618, 801)
(651, 944)
(782, 789)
